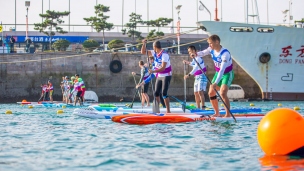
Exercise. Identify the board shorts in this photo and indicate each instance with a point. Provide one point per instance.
(51, 92)
(226, 79)
(83, 91)
(200, 83)
(66, 93)
(144, 88)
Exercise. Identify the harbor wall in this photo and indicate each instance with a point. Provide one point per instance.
(22, 74)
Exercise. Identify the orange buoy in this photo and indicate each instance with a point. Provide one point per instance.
(24, 101)
(281, 132)
(281, 162)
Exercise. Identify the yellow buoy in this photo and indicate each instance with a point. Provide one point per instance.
(63, 106)
(280, 105)
(8, 112)
(191, 104)
(59, 111)
(160, 105)
(30, 106)
(207, 108)
(296, 108)
(251, 104)
(222, 104)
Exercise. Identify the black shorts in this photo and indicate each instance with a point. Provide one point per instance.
(144, 89)
(79, 94)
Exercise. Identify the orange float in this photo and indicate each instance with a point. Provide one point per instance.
(281, 163)
(281, 132)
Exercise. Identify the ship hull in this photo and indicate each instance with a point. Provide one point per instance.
(272, 55)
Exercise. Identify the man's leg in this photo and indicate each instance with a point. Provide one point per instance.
(213, 101)
(197, 100)
(223, 93)
(202, 98)
(165, 87)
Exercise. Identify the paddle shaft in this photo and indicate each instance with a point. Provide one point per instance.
(185, 85)
(136, 85)
(214, 89)
(155, 106)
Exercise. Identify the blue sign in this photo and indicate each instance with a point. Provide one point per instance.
(46, 39)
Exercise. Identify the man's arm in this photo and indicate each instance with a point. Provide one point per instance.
(143, 48)
(204, 52)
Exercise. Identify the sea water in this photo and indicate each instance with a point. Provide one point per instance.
(41, 139)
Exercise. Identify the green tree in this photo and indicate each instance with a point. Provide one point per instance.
(61, 45)
(116, 43)
(99, 22)
(160, 22)
(51, 20)
(130, 29)
(90, 44)
(153, 34)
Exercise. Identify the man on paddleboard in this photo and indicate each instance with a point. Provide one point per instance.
(224, 72)
(144, 74)
(150, 77)
(200, 80)
(162, 69)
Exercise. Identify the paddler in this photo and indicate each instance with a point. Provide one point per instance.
(224, 73)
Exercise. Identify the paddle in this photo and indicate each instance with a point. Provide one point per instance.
(136, 85)
(131, 105)
(155, 104)
(214, 89)
(185, 91)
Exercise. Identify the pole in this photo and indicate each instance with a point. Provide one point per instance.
(49, 4)
(15, 16)
(247, 12)
(216, 19)
(42, 11)
(172, 18)
(69, 14)
(148, 13)
(267, 14)
(197, 13)
(221, 10)
(122, 16)
(26, 32)
(178, 34)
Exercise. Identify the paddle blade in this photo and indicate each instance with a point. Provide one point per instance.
(184, 107)
(155, 106)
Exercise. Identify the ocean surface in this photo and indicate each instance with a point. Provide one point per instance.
(41, 139)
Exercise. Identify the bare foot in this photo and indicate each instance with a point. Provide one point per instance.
(216, 115)
(227, 116)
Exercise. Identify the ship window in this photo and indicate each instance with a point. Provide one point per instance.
(265, 30)
(241, 29)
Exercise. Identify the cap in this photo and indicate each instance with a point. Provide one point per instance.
(76, 75)
(66, 77)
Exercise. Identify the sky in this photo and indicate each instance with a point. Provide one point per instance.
(228, 10)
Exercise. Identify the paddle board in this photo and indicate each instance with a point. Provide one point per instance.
(142, 119)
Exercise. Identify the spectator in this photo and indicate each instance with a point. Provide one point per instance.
(28, 42)
(12, 42)
(1, 42)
